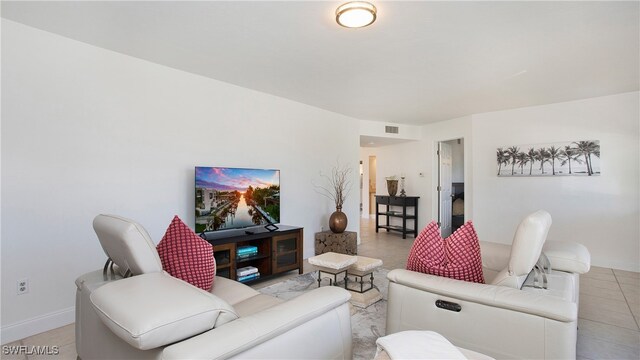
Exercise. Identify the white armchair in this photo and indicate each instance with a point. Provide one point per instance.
(506, 317)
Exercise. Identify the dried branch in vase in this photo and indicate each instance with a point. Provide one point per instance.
(338, 185)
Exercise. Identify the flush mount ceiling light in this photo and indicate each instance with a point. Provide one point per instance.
(356, 14)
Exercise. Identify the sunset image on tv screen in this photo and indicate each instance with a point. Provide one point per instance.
(228, 198)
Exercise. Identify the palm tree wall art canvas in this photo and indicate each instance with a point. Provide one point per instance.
(570, 158)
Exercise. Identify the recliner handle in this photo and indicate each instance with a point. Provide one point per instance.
(448, 305)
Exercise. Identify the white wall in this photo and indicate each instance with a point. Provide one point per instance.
(88, 131)
(601, 212)
(418, 157)
(459, 128)
(376, 129)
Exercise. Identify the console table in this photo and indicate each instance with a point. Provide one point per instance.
(279, 251)
(396, 207)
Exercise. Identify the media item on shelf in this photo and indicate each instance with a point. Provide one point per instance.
(249, 277)
(222, 257)
(247, 270)
(246, 251)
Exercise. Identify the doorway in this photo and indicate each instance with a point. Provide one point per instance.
(450, 188)
(372, 184)
(361, 171)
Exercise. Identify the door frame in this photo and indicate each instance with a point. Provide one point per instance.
(371, 210)
(439, 185)
(468, 178)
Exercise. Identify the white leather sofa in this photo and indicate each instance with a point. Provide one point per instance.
(506, 317)
(151, 315)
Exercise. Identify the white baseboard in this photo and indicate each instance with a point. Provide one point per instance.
(615, 264)
(37, 325)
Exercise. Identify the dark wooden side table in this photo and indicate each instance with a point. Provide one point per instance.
(396, 207)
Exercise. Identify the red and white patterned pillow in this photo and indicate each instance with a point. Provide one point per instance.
(186, 256)
(457, 257)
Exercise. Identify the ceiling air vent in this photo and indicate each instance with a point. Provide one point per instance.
(391, 129)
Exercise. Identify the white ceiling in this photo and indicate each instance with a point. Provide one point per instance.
(419, 62)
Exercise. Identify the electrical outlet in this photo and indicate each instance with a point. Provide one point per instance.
(22, 286)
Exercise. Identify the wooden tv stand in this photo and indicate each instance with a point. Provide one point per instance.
(279, 251)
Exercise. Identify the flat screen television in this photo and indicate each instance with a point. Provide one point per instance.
(232, 198)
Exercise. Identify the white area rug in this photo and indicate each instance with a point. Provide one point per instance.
(366, 324)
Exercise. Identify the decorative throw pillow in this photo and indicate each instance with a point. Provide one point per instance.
(186, 256)
(456, 257)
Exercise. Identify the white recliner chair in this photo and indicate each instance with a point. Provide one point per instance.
(149, 314)
(508, 317)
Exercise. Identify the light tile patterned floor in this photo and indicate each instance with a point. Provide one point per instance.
(609, 311)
